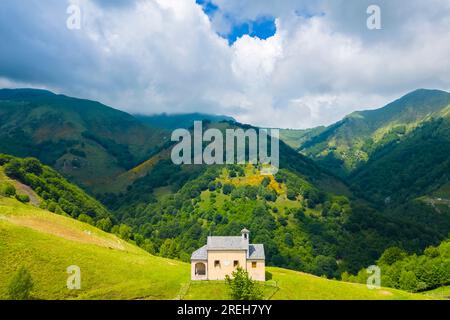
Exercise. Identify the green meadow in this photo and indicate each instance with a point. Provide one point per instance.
(46, 244)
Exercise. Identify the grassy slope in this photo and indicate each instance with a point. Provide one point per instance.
(292, 285)
(295, 138)
(112, 269)
(21, 188)
(439, 293)
(122, 181)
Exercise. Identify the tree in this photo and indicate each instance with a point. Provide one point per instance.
(4, 159)
(21, 284)
(7, 189)
(32, 165)
(325, 265)
(86, 219)
(12, 169)
(227, 188)
(288, 239)
(291, 195)
(392, 255)
(125, 231)
(431, 252)
(242, 287)
(266, 181)
(105, 224)
(23, 198)
(408, 281)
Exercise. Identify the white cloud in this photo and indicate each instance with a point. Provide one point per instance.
(165, 56)
(254, 60)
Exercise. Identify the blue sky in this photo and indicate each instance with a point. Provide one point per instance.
(208, 7)
(262, 27)
(290, 63)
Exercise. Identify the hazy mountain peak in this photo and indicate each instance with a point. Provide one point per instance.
(20, 93)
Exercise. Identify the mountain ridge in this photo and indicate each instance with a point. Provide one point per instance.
(348, 143)
(312, 221)
(180, 120)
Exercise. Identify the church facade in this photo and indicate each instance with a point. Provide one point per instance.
(222, 255)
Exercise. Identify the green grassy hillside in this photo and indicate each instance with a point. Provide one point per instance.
(292, 285)
(84, 140)
(46, 244)
(439, 293)
(295, 138)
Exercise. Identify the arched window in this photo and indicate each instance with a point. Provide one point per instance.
(200, 269)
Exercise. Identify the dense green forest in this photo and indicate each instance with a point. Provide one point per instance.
(57, 194)
(413, 273)
(418, 165)
(302, 227)
(348, 144)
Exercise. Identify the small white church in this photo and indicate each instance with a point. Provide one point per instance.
(222, 255)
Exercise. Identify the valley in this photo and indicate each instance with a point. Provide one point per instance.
(343, 197)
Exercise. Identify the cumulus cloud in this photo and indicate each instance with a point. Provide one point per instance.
(149, 56)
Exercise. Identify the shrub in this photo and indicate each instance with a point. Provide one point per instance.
(86, 219)
(24, 198)
(12, 169)
(51, 206)
(32, 165)
(123, 231)
(20, 286)
(408, 281)
(325, 265)
(392, 255)
(105, 224)
(431, 252)
(291, 195)
(242, 287)
(227, 188)
(7, 189)
(212, 186)
(4, 159)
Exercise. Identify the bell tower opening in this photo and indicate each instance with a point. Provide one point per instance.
(245, 235)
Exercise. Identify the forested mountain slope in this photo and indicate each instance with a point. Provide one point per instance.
(307, 218)
(84, 140)
(348, 144)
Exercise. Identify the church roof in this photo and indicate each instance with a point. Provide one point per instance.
(227, 243)
(254, 251)
(200, 254)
